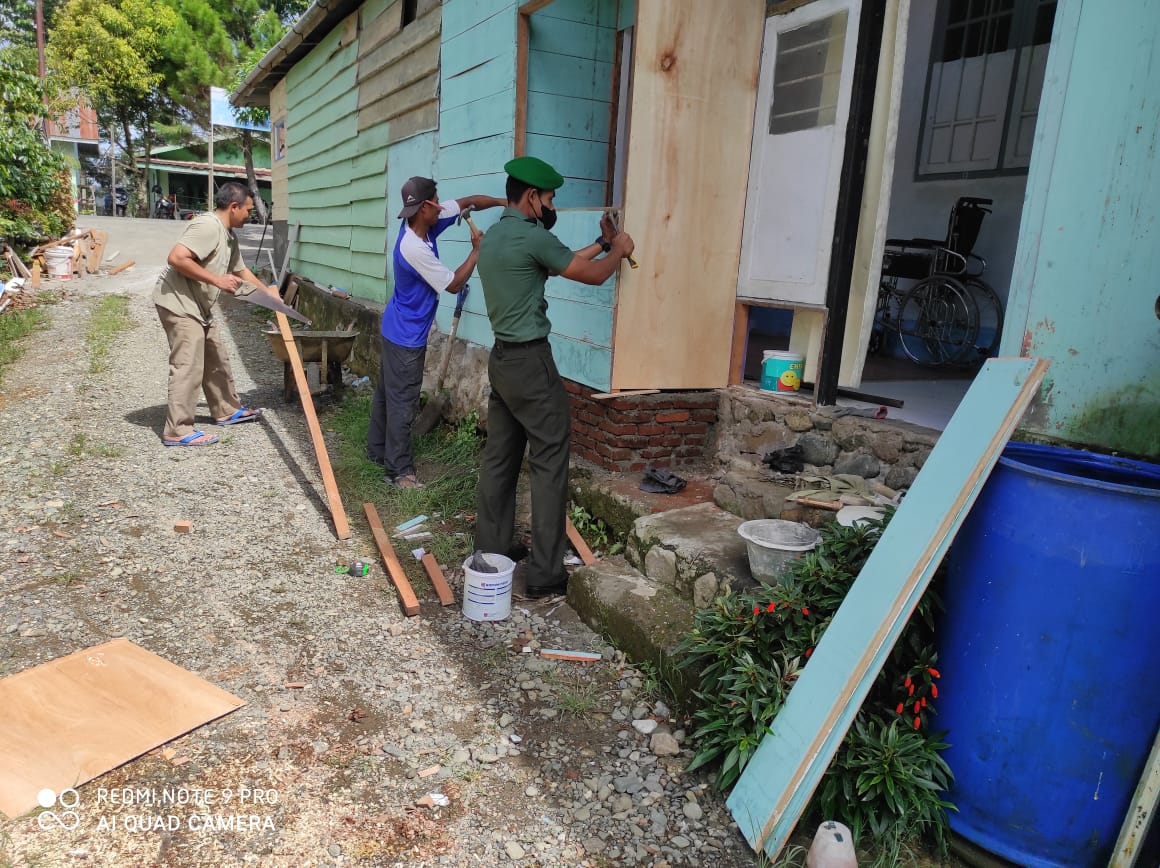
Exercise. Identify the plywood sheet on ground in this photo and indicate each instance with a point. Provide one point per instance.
(67, 721)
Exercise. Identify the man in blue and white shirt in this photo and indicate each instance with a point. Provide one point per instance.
(419, 278)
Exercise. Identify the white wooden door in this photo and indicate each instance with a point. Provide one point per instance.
(799, 134)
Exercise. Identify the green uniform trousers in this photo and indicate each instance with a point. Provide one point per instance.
(528, 406)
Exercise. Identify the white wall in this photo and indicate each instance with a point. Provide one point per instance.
(921, 208)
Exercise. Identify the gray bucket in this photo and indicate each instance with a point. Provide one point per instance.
(774, 544)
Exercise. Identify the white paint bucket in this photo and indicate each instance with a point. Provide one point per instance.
(59, 261)
(774, 544)
(781, 371)
(488, 596)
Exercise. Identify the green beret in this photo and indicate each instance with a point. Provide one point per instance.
(534, 171)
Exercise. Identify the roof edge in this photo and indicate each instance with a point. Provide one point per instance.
(298, 33)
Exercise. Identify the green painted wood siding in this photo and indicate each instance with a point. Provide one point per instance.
(571, 57)
(369, 86)
(1084, 289)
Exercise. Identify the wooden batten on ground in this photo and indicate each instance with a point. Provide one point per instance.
(334, 500)
(446, 597)
(781, 777)
(394, 568)
(578, 543)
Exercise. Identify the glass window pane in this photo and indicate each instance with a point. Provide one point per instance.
(807, 75)
(1044, 19)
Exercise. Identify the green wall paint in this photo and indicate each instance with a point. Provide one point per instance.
(1084, 289)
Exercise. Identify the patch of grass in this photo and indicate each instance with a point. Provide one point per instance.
(110, 317)
(578, 699)
(494, 657)
(68, 578)
(14, 326)
(448, 460)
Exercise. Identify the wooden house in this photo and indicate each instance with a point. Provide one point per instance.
(761, 153)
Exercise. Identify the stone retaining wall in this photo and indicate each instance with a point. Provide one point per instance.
(752, 424)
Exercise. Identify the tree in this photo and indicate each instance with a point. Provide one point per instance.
(35, 195)
(143, 63)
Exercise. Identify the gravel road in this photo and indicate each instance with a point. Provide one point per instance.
(538, 762)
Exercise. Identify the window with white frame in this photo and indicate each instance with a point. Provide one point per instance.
(982, 92)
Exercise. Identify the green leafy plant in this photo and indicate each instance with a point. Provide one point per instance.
(597, 534)
(746, 651)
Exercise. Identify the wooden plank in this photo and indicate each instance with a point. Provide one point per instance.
(740, 343)
(695, 74)
(416, 35)
(35, 279)
(69, 720)
(627, 393)
(1141, 813)
(782, 775)
(578, 543)
(394, 568)
(337, 513)
(446, 597)
(521, 120)
(96, 251)
(401, 101)
(418, 120)
(128, 263)
(395, 74)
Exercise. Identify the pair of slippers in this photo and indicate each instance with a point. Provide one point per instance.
(200, 438)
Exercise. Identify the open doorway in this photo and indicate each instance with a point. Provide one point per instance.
(972, 81)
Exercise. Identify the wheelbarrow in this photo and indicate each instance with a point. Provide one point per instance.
(329, 349)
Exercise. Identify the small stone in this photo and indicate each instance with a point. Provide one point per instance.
(334, 850)
(395, 629)
(680, 842)
(514, 850)
(532, 792)
(645, 726)
(663, 744)
(705, 590)
(594, 845)
(660, 564)
(692, 810)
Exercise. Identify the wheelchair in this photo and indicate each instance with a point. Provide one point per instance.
(945, 308)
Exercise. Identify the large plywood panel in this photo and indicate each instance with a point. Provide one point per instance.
(71, 719)
(694, 84)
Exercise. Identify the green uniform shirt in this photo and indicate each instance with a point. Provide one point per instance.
(516, 257)
(216, 248)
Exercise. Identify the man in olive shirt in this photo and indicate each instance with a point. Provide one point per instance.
(528, 405)
(204, 263)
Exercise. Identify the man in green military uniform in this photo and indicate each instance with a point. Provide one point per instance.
(528, 405)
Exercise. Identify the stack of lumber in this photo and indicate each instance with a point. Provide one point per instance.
(88, 246)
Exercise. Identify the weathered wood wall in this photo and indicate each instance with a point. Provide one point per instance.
(369, 86)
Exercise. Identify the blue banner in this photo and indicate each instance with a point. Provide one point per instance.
(222, 114)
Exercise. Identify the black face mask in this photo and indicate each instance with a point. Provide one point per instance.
(547, 215)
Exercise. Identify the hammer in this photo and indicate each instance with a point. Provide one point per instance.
(465, 214)
(614, 215)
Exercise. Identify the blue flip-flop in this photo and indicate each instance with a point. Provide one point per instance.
(192, 440)
(243, 414)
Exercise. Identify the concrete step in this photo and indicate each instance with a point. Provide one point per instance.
(643, 618)
(695, 551)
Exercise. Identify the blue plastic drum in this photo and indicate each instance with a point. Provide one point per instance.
(1050, 654)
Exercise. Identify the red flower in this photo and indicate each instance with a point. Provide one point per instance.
(906, 683)
(917, 707)
(899, 709)
(809, 651)
(934, 691)
(805, 611)
(757, 610)
(923, 703)
(917, 722)
(934, 672)
(771, 607)
(911, 693)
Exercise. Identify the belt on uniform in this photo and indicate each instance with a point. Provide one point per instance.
(511, 345)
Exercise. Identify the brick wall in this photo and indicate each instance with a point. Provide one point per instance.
(630, 433)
